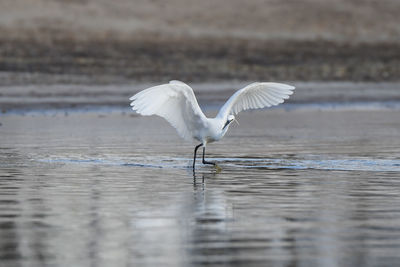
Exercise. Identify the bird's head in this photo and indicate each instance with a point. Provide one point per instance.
(228, 121)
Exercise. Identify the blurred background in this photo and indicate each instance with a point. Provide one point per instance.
(102, 42)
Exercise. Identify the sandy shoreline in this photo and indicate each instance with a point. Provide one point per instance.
(59, 96)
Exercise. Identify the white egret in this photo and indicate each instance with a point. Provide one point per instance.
(177, 103)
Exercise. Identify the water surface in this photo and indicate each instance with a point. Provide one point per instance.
(300, 187)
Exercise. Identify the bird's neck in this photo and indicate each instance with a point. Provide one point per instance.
(222, 127)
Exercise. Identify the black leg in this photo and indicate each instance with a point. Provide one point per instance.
(195, 151)
(204, 161)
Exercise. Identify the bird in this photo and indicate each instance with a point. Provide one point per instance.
(176, 102)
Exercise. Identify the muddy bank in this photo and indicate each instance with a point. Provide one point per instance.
(94, 42)
(110, 61)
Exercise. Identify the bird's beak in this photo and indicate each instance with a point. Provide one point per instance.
(226, 124)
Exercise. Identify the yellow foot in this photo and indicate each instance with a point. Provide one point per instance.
(218, 168)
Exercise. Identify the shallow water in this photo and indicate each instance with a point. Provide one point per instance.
(299, 187)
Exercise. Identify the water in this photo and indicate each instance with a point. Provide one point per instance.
(299, 187)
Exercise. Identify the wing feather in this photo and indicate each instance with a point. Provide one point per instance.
(254, 96)
(175, 102)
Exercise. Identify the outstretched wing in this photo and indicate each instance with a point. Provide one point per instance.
(256, 95)
(175, 102)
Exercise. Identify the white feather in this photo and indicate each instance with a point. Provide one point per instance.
(176, 103)
(254, 96)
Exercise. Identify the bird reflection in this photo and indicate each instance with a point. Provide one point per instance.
(210, 213)
(195, 178)
(201, 176)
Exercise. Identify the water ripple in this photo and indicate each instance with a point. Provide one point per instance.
(348, 164)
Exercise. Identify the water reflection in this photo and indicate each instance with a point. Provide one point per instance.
(23, 214)
(10, 206)
(210, 233)
(180, 233)
(94, 224)
(107, 216)
(71, 200)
